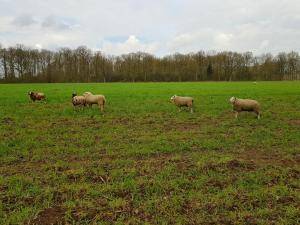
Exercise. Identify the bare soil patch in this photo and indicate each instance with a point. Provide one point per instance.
(294, 122)
(179, 126)
(50, 216)
(261, 158)
(7, 120)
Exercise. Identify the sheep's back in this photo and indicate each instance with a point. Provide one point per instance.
(94, 98)
(37, 96)
(183, 101)
(247, 104)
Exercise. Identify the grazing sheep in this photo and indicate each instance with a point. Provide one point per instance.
(36, 96)
(183, 101)
(78, 100)
(249, 105)
(95, 99)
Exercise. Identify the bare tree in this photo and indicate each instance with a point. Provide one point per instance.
(22, 64)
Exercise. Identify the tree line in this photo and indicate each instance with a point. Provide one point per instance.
(23, 64)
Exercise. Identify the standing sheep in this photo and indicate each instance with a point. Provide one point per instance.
(249, 105)
(36, 96)
(95, 99)
(183, 101)
(78, 100)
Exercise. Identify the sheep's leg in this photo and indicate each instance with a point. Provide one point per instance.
(257, 115)
(101, 108)
(236, 114)
(192, 110)
(179, 109)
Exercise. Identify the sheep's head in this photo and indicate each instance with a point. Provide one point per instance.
(172, 98)
(87, 93)
(232, 100)
(31, 94)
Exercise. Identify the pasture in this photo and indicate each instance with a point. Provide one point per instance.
(143, 162)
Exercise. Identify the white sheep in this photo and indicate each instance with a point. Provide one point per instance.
(249, 105)
(95, 99)
(183, 102)
(78, 100)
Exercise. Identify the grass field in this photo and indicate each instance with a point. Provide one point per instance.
(143, 162)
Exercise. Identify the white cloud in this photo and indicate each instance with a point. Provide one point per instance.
(192, 41)
(38, 46)
(132, 44)
(223, 41)
(183, 40)
(264, 44)
(5, 24)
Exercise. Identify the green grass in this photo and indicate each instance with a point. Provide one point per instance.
(143, 162)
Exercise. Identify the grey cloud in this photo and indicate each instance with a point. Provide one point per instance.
(24, 20)
(55, 23)
(291, 22)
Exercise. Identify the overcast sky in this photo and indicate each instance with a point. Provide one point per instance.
(156, 26)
